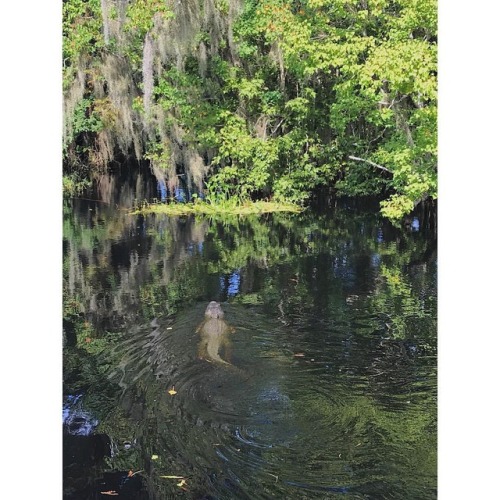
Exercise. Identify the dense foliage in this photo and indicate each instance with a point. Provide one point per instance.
(254, 99)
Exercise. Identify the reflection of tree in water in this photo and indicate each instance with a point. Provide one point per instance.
(362, 290)
(114, 265)
(134, 262)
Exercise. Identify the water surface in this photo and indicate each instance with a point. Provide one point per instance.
(333, 391)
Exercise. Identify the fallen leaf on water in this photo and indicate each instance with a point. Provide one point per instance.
(130, 473)
(172, 477)
(154, 457)
(299, 355)
(275, 477)
(110, 492)
(181, 483)
(172, 391)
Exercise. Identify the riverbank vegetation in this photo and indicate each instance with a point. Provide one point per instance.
(246, 100)
(205, 208)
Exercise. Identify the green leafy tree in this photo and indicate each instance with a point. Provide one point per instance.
(279, 99)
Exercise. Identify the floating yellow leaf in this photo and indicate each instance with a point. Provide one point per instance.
(172, 391)
(181, 483)
(154, 457)
(172, 477)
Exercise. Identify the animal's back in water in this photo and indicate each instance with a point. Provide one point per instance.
(214, 332)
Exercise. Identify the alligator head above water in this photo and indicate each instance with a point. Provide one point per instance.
(214, 332)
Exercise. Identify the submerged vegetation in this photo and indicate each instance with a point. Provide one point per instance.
(248, 100)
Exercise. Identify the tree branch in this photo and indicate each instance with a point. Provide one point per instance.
(385, 169)
(277, 126)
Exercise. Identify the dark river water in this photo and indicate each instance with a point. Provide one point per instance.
(331, 338)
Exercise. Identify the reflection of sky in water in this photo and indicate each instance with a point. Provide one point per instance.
(375, 259)
(76, 420)
(415, 224)
(234, 283)
(343, 270)
(380, 236)
(195, 248)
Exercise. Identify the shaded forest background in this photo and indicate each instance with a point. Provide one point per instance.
(272, 99)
